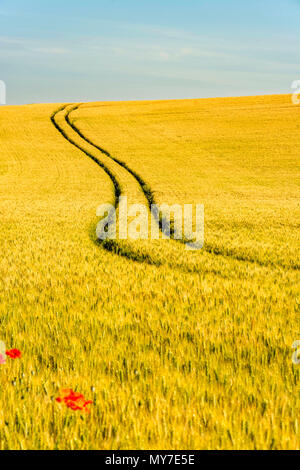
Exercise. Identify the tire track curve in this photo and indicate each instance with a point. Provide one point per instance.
(154, 258)
(110, 245)
(149, 195)
(117, 188)
(146, 189)
(125, 250)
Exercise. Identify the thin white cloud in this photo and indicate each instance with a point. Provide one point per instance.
(21, 45)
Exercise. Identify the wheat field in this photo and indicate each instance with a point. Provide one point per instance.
(176, 349)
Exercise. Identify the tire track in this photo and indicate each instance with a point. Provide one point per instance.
(126, 250)
(143, 185)
(109, 245)
(120, 249)
(116, 184)
(146, 189)
(149, 195)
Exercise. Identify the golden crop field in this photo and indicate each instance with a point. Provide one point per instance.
(176, 349)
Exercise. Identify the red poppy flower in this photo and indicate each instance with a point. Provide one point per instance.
(14, 353)
(74, 400)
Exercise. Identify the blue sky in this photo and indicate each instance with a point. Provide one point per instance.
(65, 50)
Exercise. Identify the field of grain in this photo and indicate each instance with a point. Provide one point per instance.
(176, 349)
